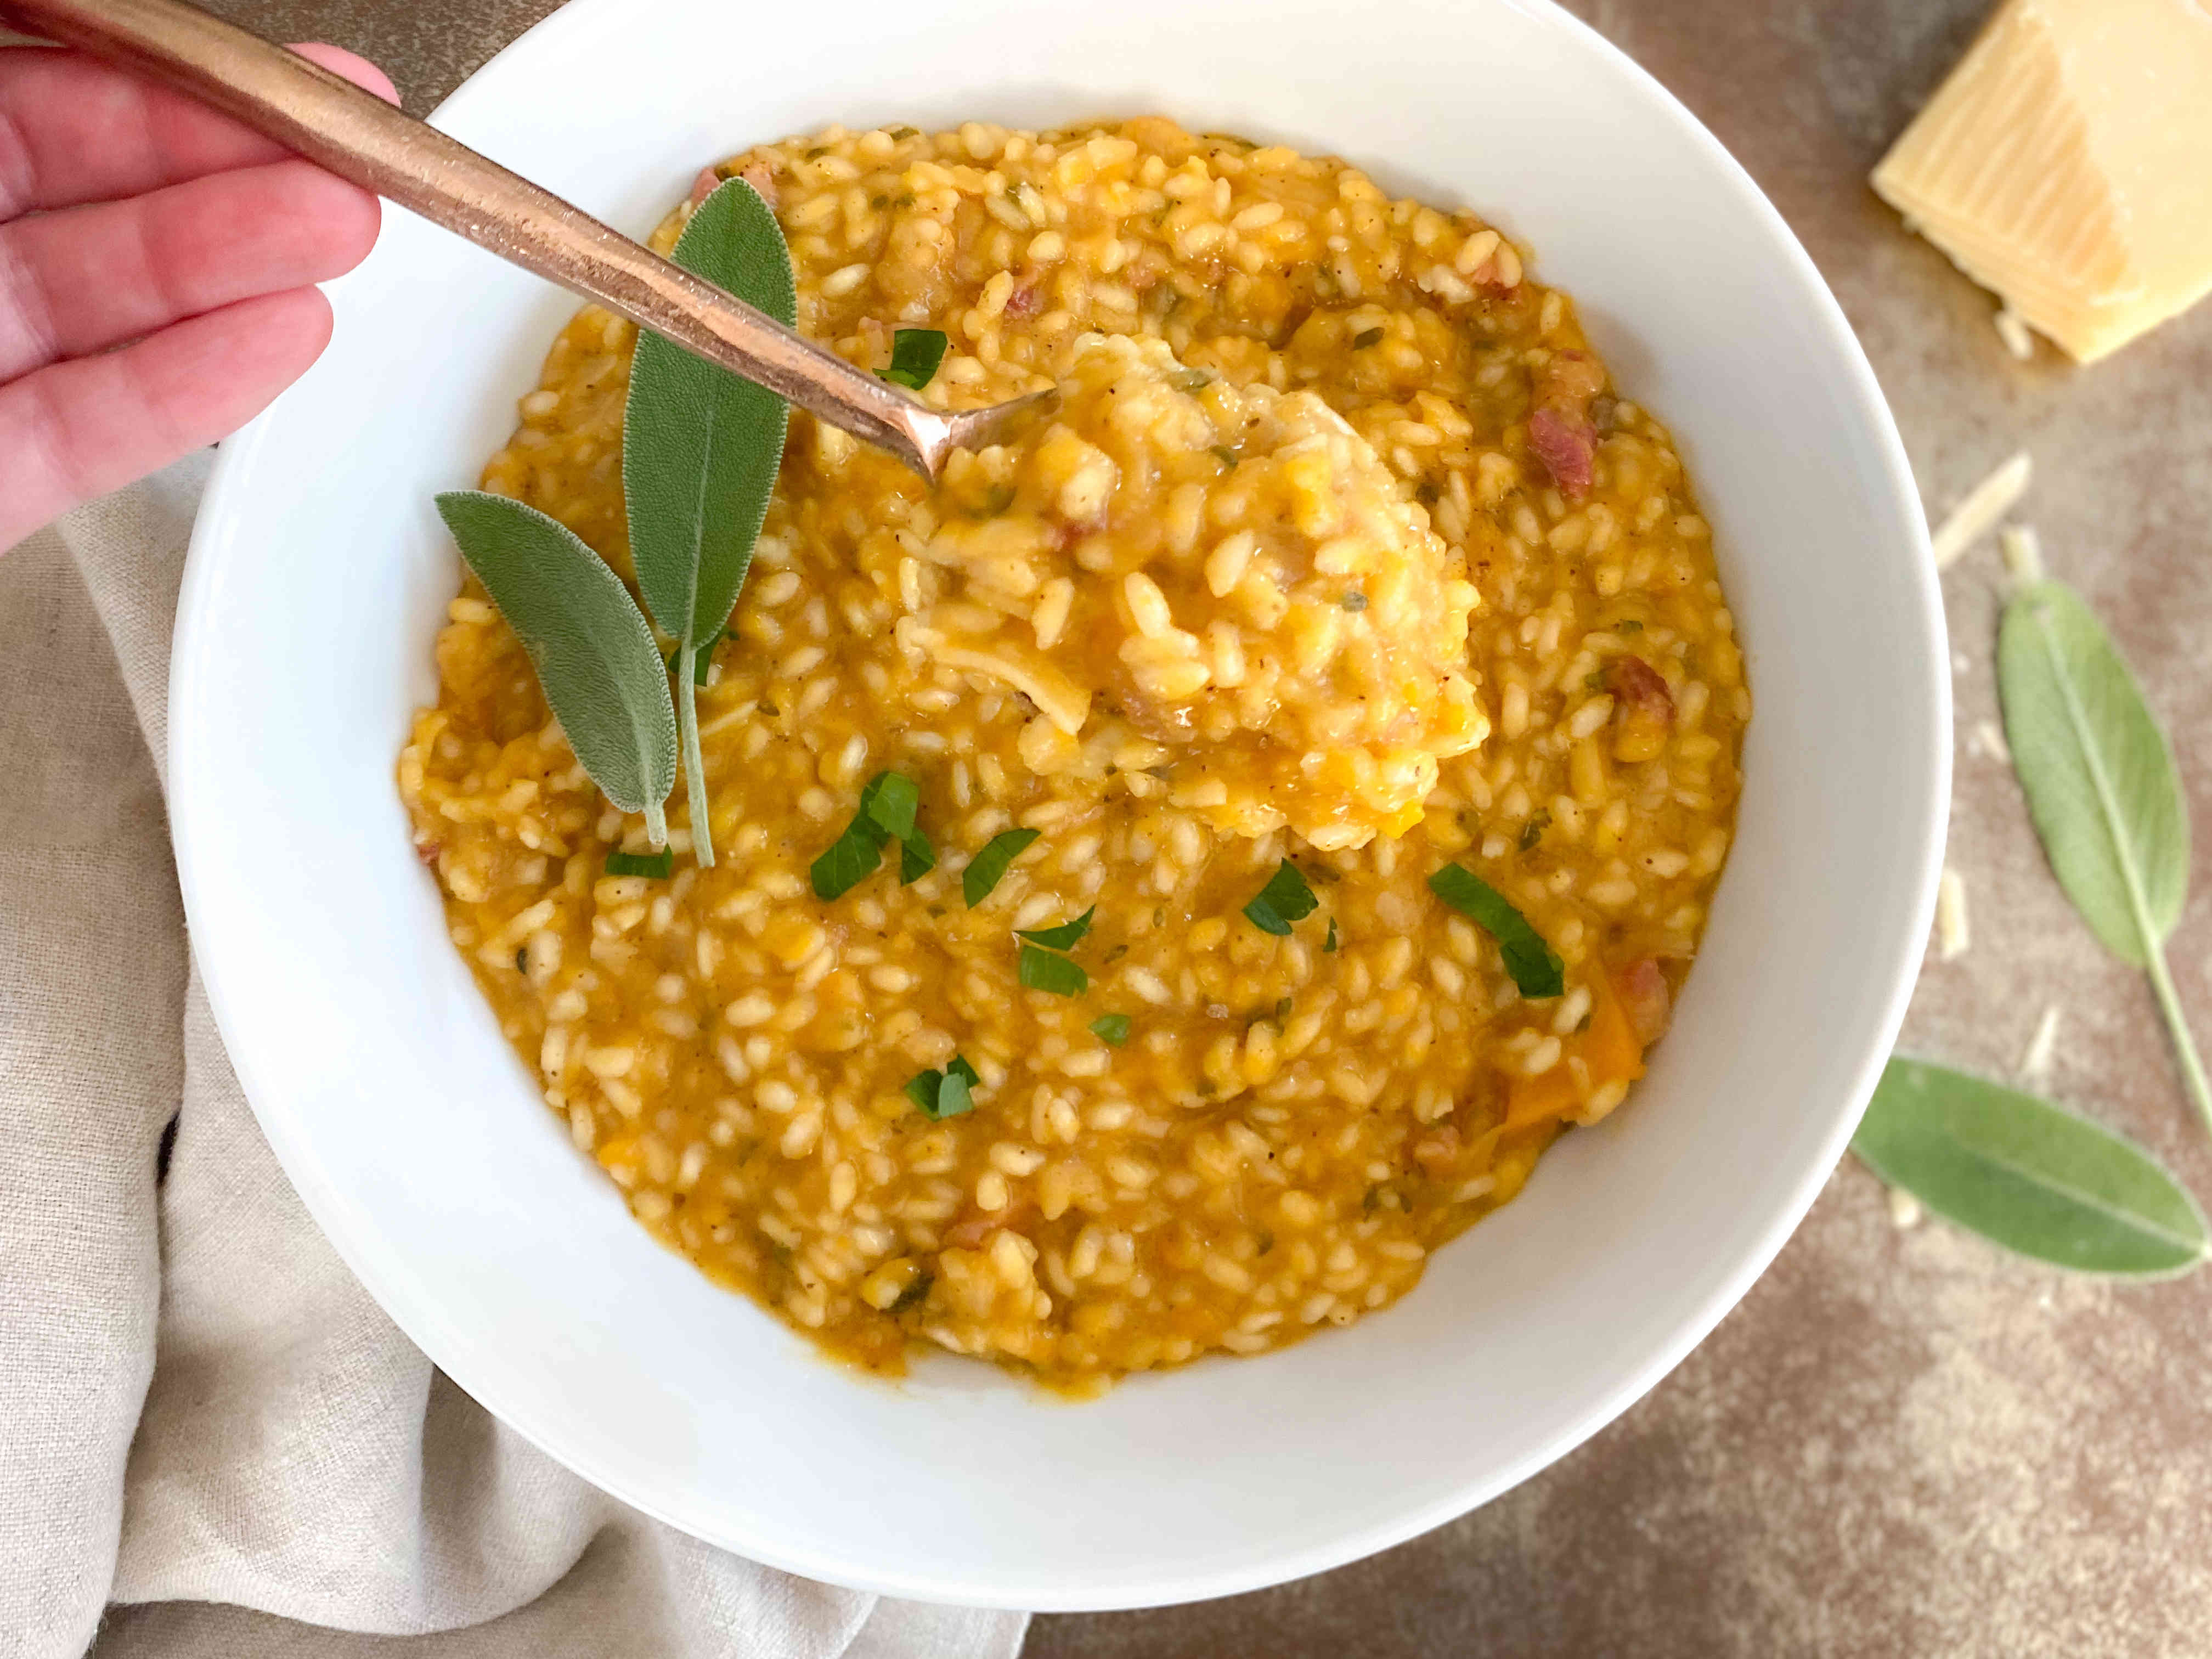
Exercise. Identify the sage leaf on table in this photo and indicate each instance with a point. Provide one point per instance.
(595, 658)
(700, 449)
(2101, 788)
(2026, 1175)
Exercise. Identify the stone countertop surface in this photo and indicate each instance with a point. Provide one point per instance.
(1902, 1443)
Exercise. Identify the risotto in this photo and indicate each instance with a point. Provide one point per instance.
(1343, 563)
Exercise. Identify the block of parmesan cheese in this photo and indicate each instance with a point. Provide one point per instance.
(2067, 163)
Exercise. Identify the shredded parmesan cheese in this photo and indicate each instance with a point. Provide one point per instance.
(2011, 329)
(1951, 938)
(1986, 503)
(1904, 1208)
(2035, 1065)
(1987, 738)
(2023, 553)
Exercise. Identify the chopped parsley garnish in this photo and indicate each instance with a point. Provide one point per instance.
(1062, 938)
(1287, 897)
(1355, 601)
(1532, 831)
(886, 814)
(944, 1094)
(1366, 337)
(1628, 625)
(1225, 455)
(1535, 968)
(1191, 380)
(1112, 1030)
(1328, 944)
(986, 867)
(1045, 970)
(660, 866)
(915, 355)
(903, 133)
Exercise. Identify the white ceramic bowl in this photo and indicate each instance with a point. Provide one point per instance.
(318, 576)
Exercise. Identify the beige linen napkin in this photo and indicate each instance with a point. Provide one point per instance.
(198, 1404)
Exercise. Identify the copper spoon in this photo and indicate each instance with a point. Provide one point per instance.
(360, 137)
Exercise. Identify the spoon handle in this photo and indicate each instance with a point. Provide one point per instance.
(360, 137)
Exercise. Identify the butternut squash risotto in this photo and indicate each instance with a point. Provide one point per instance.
(1339, 693)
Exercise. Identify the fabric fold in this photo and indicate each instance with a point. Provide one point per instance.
(204, 1419)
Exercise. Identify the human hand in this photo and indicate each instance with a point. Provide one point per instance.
(156, 261)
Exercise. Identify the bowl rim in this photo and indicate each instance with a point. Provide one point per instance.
(190, 817)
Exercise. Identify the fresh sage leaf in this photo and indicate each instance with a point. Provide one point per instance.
(1045, 970)
(849, 860)
(2100, 779)
(2027, 1174)
(660, 866)
(594, 655)
(915, 355)
(892, 799)
(985, 869)
(944, 1094)
(886, 800)
(701, 448)
(1065, 937)
(853, 856)
(1534, 967)
(917, 857)
(953, 1095)
(1112, 1030)
(2101, 788)
(1287, 897)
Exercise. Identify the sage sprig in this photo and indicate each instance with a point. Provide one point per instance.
(2029, 1175)
(595, 657)
(2106, 802)
(700, 449)
(2101, 788)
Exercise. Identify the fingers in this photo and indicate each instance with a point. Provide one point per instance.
(73, 131)
(79, 429)
(82, 279)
